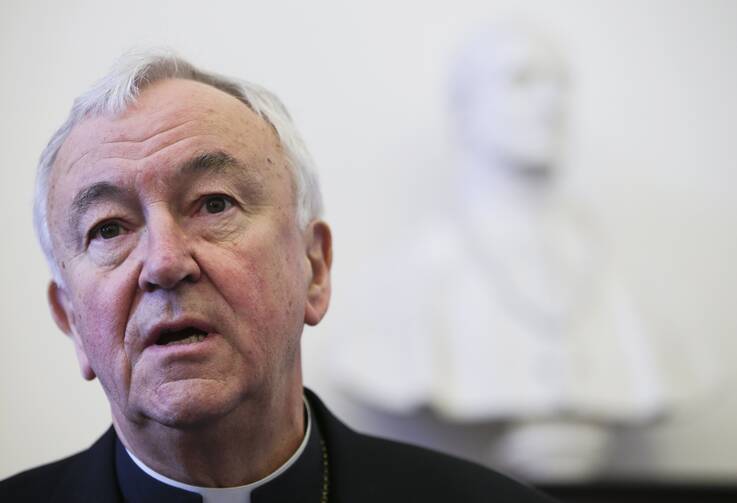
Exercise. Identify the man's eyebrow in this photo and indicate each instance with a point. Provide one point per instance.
(219, 162)
(90, 195)
(208, 162)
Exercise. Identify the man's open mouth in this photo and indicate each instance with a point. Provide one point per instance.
(186, 335)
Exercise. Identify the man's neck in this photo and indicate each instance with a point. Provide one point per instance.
(245, 446)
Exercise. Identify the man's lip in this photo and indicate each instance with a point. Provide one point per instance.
(157, 330)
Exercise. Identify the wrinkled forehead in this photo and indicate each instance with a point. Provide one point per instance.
(167, 111)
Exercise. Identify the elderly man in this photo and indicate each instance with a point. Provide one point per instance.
(179, 211)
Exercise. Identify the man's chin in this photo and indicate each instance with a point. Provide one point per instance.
(191, 403)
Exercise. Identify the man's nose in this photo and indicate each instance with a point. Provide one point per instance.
(169, 257)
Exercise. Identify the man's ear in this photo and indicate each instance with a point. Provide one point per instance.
(319, 247)
(61, 311)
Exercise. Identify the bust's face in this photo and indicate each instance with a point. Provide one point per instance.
(512, 107)
(187, 278)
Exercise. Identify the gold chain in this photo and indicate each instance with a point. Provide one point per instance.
(325, 473)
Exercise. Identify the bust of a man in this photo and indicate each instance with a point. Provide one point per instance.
(504, 307)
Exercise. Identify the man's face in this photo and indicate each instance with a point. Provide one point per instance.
(187, 280)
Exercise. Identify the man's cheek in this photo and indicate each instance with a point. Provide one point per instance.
(101, 331)
(241, 277)
(101, 328)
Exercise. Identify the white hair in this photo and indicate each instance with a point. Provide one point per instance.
(120, 88)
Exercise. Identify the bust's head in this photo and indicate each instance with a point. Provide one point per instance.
(508, 90)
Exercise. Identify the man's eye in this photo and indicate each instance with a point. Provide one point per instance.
(217, 204)
(107, 230)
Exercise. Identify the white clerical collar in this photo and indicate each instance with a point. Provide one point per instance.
(240, 494)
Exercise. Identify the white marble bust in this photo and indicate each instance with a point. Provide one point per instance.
(505, 307)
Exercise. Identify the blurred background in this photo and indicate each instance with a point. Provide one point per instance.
(649, 151)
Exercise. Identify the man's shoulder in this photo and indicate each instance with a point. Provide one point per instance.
(39, 483)
(72, 478)
(413, 471)
(376, 469)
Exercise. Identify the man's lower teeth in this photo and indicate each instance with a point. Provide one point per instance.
(188, 340)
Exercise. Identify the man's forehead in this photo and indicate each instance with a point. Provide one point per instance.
(167, 111)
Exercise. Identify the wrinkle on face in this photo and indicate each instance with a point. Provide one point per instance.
(120, 153)
(115, 144)
(207, 169)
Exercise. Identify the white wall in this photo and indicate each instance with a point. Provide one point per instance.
(656, 109)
